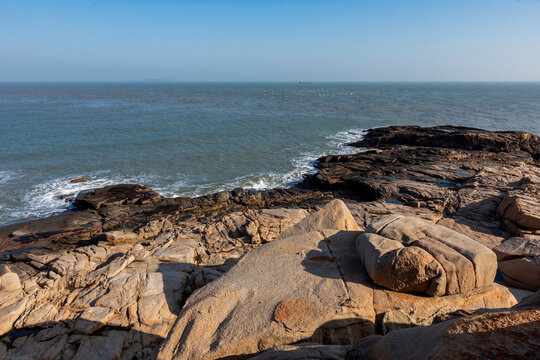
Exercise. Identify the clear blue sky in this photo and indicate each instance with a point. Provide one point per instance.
(263, 40)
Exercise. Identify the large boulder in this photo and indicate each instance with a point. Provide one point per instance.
(9, 281)
(295, 288)
(520, 208)
(519, 261)
(406, 253)
(392, 265)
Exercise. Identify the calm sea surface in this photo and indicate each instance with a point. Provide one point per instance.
(193, 139)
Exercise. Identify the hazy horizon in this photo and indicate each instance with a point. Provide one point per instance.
(270, 41)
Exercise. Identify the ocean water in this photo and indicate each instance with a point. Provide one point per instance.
(193, 139)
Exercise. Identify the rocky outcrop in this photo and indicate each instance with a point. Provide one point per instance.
(298, 287)
(307, 285)
(456, 137)
(400, 268)
(110, 278)
(122, 290)
(519, 261)
(504, 333)
(520, 208)
(405, 253)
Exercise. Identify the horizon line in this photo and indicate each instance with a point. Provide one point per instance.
(302, 82)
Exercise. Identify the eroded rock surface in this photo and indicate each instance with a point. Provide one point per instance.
(306, 287)
(110, 278)
(121, 291)
(405, 253)
(298, 287)
(519, 261)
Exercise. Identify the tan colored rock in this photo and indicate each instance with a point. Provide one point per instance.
(400, 268)
(396, 320)
(506, 333)
(116, 237)
(518, 247)
(334, 215)
(71, 263)
(467, 263)
(267, 224)
(519, 261)
(92, 319)
(9, 281)
(12, 305)
(108, 345)
(522, 272)
(182, 251)
(41, 316)
(522, 209)
(288, 290)
(44, 344)
(309, 286)
(159, 300)
(423, 309)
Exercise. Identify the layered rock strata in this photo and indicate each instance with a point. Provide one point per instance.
(405, 253)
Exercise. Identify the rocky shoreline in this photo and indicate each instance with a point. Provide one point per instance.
(131, 274)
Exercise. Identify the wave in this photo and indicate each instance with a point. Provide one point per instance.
(8, 176)
(301, 165)
(44, 199)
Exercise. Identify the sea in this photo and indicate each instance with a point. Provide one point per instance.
(191, 139)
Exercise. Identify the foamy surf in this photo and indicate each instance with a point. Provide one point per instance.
(45, 199)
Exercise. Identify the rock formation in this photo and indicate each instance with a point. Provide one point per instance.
(405, 253)
(307, 285)
(110, 278)
(519, 261)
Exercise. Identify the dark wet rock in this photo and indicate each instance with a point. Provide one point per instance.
(123, 194)
(456, 137)
(81, 179)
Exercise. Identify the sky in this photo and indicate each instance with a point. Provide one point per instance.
(270, 40)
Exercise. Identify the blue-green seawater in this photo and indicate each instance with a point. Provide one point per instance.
(193, 139)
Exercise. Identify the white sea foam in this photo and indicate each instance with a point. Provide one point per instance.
(303, 164)
(7, 176)
(44, 199)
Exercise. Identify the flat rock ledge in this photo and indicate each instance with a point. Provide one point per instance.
(119, 277)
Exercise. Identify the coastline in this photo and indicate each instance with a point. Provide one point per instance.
(121, 236)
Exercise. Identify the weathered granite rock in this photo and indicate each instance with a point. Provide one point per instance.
(334, 215)
(504, 333)
(186, 243)
(12, 305)
(444, 262)
(512, 333)
(131, 280)
(422, 310)
(9, 281)
(520, 208)
(519, 261)
(295, 288)
(400, 268)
